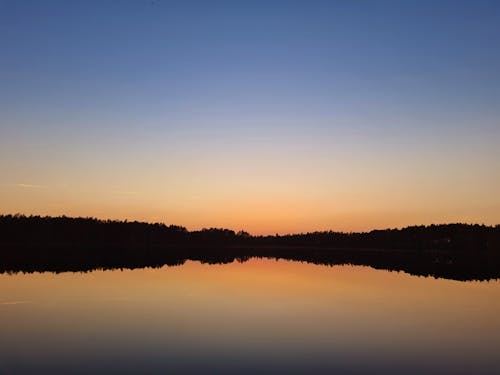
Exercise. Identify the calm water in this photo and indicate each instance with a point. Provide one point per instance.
(259, 316)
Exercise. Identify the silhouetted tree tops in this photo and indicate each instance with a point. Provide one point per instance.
(34, 243)
(20, 230)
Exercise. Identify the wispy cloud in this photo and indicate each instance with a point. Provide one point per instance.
(14, 302)
(31, 186)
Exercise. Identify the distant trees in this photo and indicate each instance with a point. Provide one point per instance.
(43, 231)
(35, 243)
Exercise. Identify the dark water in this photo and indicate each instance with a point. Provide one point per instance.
(261, 316)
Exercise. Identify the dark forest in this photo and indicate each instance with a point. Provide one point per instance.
(58, 244)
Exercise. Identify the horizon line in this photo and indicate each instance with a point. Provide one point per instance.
(63, 216)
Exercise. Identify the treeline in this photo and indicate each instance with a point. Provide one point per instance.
(20, 230)
(57, 244)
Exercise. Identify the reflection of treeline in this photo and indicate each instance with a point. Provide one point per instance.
(458, 251)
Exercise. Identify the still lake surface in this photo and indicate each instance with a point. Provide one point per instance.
(260, 316)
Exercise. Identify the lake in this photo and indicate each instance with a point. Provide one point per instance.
(258, 316)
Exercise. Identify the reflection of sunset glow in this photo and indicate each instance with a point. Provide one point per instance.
(260, 308)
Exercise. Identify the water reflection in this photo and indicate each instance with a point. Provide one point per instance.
(258, 316)
(456, 265)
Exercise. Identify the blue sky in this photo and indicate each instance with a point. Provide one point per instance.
(149, 90)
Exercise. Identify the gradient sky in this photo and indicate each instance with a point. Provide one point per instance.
(268, 116)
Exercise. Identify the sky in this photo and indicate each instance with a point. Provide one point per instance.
(266, 116)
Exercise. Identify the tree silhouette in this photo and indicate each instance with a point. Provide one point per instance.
(35, 243)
